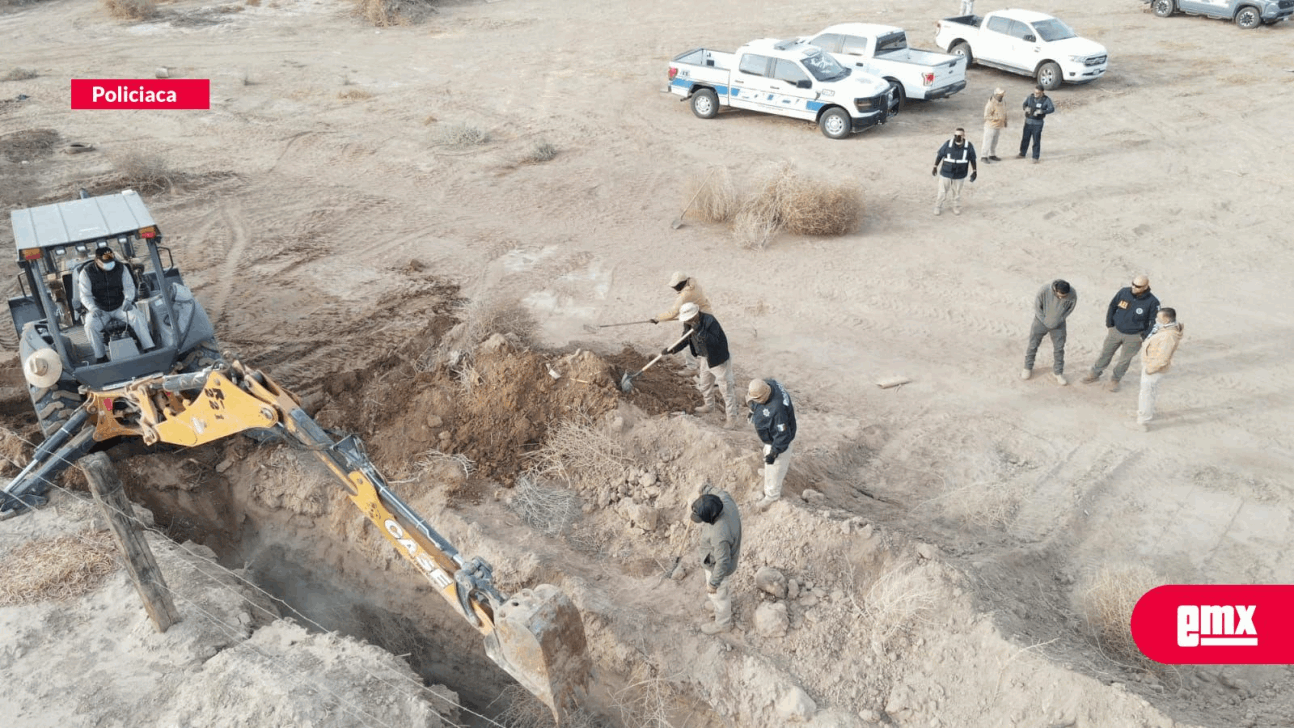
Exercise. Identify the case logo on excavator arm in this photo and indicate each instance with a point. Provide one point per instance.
(438, 577)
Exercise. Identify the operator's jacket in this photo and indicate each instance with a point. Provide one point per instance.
(1132, 314)
(774, 420)
(721, 540)
(705, 339)
(691, 293)
(105, 290)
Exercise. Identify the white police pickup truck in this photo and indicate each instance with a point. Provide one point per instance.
(783, 77)
(1025, 42)
(882, 50)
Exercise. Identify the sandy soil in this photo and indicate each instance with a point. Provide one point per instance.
(302, 197)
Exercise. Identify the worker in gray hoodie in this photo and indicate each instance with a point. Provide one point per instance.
(719, 551)
(1053, 304)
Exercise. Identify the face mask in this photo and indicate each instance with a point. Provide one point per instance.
(959, 139)
(110, 265)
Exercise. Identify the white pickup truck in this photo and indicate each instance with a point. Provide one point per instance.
(783, 77)
(882, 50)
(1026, 42)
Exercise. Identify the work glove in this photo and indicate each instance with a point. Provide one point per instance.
(934, 170)
(711, 588)
(665, 352)
(770, 458)
(974, 174)
(98, 314)
(128, 305)
(653, 321)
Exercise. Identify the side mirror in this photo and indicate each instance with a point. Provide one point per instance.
(1030, 39)
(804, 83)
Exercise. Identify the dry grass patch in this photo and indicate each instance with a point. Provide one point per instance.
(386, 13)
(895, 601)
(717, 200)
(548, 510)
(131, 9)
(578, 453)
(354, 94)
(1107, 604)
(525, 711)
(781, 200)
(19, 74)
(145, 173)
(542, 151)
(56, 569)
(459, 136)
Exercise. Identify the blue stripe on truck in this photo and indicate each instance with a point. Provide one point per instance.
(686, 83)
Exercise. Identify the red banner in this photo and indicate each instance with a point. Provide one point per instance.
(1233, 624)
(141, 93)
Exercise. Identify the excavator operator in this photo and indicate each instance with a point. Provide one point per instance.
(107, 291)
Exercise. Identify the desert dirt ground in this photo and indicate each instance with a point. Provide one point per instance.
(323, 221)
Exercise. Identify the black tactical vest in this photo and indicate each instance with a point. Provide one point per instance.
(106, 286)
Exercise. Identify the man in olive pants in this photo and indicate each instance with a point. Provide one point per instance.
(1128, 321)
(720, 549)
(1052, 305)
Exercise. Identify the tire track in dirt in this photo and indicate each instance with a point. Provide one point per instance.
(231, 264)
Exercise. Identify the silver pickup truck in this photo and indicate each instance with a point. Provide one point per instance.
(1245, 13)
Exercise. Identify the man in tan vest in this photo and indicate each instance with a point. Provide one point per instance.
(1156, 359)
(994, 123)
(689, 291)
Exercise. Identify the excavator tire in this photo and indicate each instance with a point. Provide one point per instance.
(54, 405)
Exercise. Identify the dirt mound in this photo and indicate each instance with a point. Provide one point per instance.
(659, 389)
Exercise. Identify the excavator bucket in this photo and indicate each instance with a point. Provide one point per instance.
(538, 639)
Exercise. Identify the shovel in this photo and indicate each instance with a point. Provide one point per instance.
(627, 381)
(678, 221)
(594, 329)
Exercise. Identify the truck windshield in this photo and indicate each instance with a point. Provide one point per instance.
(823, 67)
(1053, 29)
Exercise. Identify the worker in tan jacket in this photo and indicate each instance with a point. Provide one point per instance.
(689, 291)
(1156, 360)
(994, 123)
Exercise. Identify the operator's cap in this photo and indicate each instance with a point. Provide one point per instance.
(758, 390)
(678, 277)
(104, 253)
(999, 91)
(688, 311)
(42, 368)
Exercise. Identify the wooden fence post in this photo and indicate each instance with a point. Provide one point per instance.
(111, 497)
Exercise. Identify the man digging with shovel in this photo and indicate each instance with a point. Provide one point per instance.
(706, 340)
(689, 291)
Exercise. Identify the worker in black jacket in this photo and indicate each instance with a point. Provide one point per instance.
(773, 416)
(1128, 321)
(707, 342)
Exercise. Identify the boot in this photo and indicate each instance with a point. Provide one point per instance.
(765, 502)
(1090, 377)
(1113, 386)
(1026, 373)
(1061, 380)
(704, 409)
(715, 628)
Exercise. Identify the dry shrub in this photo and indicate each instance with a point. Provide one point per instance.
(988, 503)
(386, 13)
(56, 569)
(716, 196)
(541, 152)
(131, 9)
(577, 452)
(458, 136)
(817, 207)
(897, 598)
(19, 74)
(354, 94)
(525, 711)
(145, 173)
(549, 510)
(1107, 604)
(252, 3)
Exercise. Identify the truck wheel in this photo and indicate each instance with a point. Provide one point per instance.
(1249, 17)
(1049, 75)
(835, 123)
(899, 96)
(962, 48)
(705, 103)
(54, 405)
(1163, 8)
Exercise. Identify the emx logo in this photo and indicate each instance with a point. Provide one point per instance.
(1240, 624)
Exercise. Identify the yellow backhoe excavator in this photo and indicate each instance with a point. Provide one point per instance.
(184, 392)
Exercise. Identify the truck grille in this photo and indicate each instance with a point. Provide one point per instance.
(881, 102)
(1098, 60)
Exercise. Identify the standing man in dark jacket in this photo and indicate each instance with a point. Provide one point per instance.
(773, 416)
(707, 342)
(1052, 305)
(955, 159)
(1036, 109)
(720, 549)
(1128, 321)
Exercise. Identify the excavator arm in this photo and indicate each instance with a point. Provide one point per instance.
(536, 635)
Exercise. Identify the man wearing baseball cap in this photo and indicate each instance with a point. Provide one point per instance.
(107, 292)
(773, 416)
(689, 291)
(707, 342)
(719, 551)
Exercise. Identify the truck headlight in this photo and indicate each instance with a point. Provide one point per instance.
(1078, 59)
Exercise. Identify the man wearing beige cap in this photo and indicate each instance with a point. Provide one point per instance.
(689, 291)
(1128, 321)
(707, 342)
(994, 123)
(773, 416)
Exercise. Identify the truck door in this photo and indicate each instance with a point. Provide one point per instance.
(752, 83)
(792, 90)
(855, 52)
(1026, 45)
(994, 40)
